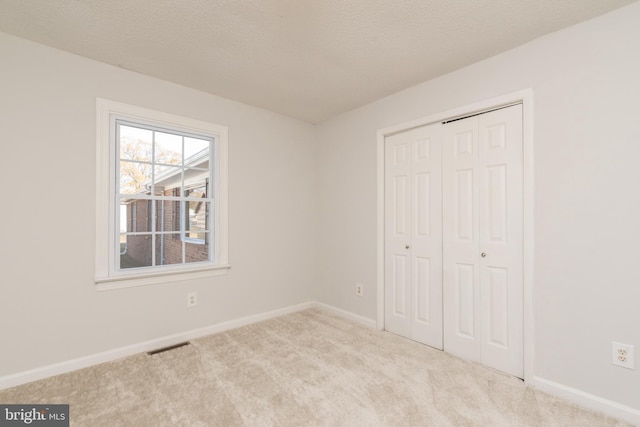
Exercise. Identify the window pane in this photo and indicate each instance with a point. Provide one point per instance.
(167, 215)
(197, 213)
(195, 177)
(168, 249)
(123, 219)
(136, 252)
(135, 143)
(198, 192)
(158, 190)
(126, 215)
(195, 252)
(134, 177)
(136, 215)
(167, 178)
(168, 148)
(201, 165)
(194, 148)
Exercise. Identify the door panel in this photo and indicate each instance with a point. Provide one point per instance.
(397, 233)
(460, 239)
(497, 202)
(501, 239)
(498, 313)
(413, 231)
(401, 200)
(426, 239)
(423, 206)
(482, 239)
(464, 306)
(423, 290)
(399, 286)
(463, 209)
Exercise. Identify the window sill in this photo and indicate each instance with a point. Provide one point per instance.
(121, 282)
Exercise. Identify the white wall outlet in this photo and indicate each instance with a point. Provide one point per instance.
(192, 299)
(359, 289)
(622, 355)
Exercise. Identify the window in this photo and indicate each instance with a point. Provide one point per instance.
(161, 197)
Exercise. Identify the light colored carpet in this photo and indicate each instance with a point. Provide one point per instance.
(305, 369)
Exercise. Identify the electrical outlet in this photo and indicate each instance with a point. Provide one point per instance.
(192, 299)
(622, 355)
(359, 289)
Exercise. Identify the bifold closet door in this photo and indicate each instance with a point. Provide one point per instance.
(483, 239)
(413, 234)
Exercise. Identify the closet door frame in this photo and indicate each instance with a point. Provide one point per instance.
(524, 97)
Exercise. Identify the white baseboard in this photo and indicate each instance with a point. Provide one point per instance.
(118, 353)
(370, 323)
(589, 401)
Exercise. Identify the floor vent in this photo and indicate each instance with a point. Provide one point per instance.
(171, 347)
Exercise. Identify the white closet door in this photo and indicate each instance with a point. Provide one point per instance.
(501, 239)
(398, 151)
(461, 275)
(426, 244)
(413, 235)
(483, 240)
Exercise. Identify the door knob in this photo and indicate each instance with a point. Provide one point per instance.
(483, 254)
(406, 246)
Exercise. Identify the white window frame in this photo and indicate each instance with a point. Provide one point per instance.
(107, 276)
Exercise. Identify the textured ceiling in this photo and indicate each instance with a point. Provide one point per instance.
(309, 59)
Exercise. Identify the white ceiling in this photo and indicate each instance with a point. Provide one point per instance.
(309, 59)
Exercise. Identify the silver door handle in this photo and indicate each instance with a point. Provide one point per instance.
(406, 246)
(483, 254)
